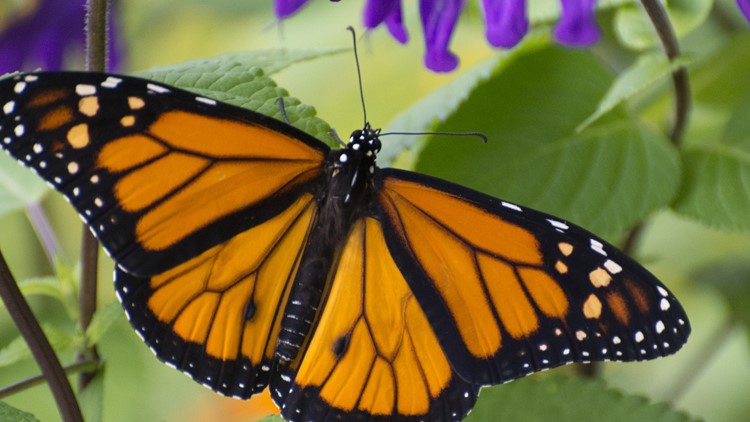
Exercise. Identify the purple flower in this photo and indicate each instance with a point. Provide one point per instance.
(45, 36)
(438, 20)
(286, 8)
(505, 20)
(388, 11)
(577, 25)
(745, 8)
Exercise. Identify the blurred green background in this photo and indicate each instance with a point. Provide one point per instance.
(709, 378)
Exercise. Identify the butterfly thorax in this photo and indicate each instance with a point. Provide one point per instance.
(348, 187)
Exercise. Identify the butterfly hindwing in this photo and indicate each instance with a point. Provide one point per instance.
(216, 316)
(373, 355)
(137, 159)
(511, 291)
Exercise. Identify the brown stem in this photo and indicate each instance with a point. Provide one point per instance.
(96, 58)
(23, 385)
(680, 80)
(39, 345)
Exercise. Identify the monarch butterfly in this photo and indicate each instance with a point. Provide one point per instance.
(250, 255)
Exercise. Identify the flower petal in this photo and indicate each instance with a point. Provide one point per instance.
(745, 8)
(439, 17)
(505, 21)
(46, 36)
(577, 26)
(285, 8)
(388, 11)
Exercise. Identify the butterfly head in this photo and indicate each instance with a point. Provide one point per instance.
(365, 142)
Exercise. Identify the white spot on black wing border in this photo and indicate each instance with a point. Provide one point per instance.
(111, 82)
(207, 101)
(158, 89)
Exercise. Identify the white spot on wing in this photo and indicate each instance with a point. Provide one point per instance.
(664, 304)
(9, 107)
(111, 82)
(84, 90)
(157, 88)
(558, 224)
(598, 247)
(19, 87)
(514, 207)
(205, 100)
(612, 266)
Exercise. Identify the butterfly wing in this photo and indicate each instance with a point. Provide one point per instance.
(373, 355)
(216, 316)
(159, 174)
(511, 291)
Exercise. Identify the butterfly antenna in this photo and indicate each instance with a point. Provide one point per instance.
(336, 137)
(480, 135)
(282, 109)
(359, 72)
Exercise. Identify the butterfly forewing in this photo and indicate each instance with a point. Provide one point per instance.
(511, 291)
(158, 173)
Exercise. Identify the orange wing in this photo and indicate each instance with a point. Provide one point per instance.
(216, 316)
(511, 291)
(158, 173)
(373, 355)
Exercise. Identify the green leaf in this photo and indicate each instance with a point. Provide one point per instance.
(101, 322)
(606, 178)
(246, 85)
(721, 79)
(564, 399)
(272, 418)
(9, 413)
(18, 187)
(45, 286)
(737, 131)
(732, 279)
(91, 398)
(271, 61)
(716, 187)
(17, 350)
(649, 69)
(440, 103)
(635, 30)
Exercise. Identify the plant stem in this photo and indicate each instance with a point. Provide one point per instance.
(22, 385)
(96, 58)
(680, 81)
(40, 348)
(97, 13)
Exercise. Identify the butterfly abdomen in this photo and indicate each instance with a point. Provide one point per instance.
(338, 205)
